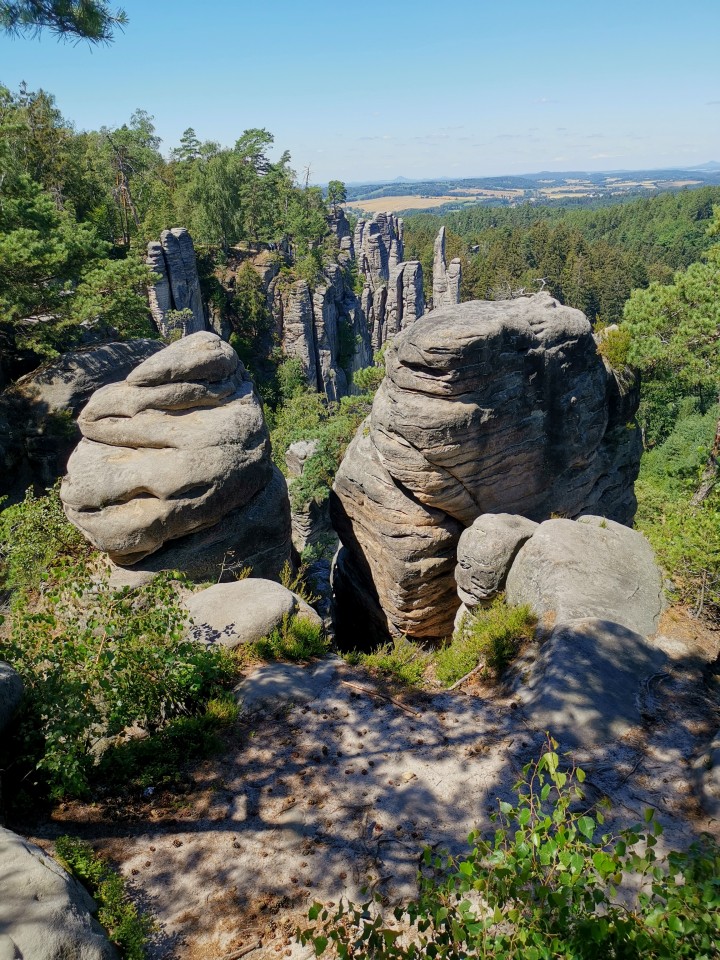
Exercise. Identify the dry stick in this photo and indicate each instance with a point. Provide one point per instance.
(382, 696)
(459, 683)
(241, 953)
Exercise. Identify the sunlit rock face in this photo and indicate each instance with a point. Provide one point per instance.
(486, 407)
(171, 450)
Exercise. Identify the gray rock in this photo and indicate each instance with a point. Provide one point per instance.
(178, 287)
(587, 686)
(446, 280)
(486, 407)
(257, 535)
(405, 300)
(707, 771)
(44, 912)
(276, 683)
(591, 567)
(232, 614)
(326, 301)
(35, 437)
(298, 339)
(297, 455)
(485, 552)
(172, 450)
(11, 691)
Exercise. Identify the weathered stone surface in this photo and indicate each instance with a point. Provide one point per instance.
(299, 330)
(378, 247)
(327, 302)
(170, 451)
(486, 407)
(707, 771)
(446, 279)
(11, 691)
(340, 226)
(256, 535)
(173, 259)
(275, 683)
(485, 552)
(587, 684)
(405, 300)
(35, 437)
(298, 453)
(44, 913)
(591, 567)
(231, 614)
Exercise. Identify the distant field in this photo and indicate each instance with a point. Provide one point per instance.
(393, 204)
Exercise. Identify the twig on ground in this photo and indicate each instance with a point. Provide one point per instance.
(237, 954)
(459, 683)
(382, 696)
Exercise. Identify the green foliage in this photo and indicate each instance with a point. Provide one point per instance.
(399, 659)
(543, 885)
(297, 638)
(128, 929)
(491, 635)
(686, 538)
(336, 193)
(614, 345)
(34, 538)
(114, 294)
(90, 20)
(95, 661)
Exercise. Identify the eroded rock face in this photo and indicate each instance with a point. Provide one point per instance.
(173, 259)
(485, 552)
(170, 451)
(446, 279)
(486, 407)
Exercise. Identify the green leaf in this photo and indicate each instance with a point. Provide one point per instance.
(586, 826)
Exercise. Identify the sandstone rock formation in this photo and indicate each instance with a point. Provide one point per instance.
(311, 524)
(37, 432)
(173, 259)
(378, 247)
(175, 449)
(231, 614)
(45, 914)
(591, 567)
(340, 226)
(485, 553)
(404, 305)
(446, 279)
(486, 407)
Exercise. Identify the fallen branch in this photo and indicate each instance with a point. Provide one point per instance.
(242, 953)
(382, 696)
(461, 681)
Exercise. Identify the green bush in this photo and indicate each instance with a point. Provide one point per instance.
(491, 635)
(95, 661)
(297, 638)
(128, 929)
(543, 885)
(400, 659)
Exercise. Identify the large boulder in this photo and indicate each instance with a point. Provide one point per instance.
(591, 567)
(44, 912)
(176, 448)
(486, 407)
(38, 412)
(231, 614)
(587, 685)
(485, 553)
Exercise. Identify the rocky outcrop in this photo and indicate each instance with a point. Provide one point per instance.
(340, 226)
(486, 407)
(405, 301)
(446, 279)
(45, 914)
(173, 259)
(592, 567)
(310, 523)
(176, 448)
(232, 614)
(378, 247)
(37, 414)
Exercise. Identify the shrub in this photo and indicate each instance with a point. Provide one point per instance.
(95, 661)
(543, 885)
(400, 659)
(297, 638)
(127, 928)
(491, 635)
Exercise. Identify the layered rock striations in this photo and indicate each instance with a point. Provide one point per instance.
(446, 279)
(486, 407)
(179, 447)
(173, 259)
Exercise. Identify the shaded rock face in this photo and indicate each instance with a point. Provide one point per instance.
(45, 914)
(340, 226)
(325, 330)
(378, 247)
(173, 259)
(486, 407)
(485, 553)
(172, 450)
(37, 414)
(405, 301)
(446, 279)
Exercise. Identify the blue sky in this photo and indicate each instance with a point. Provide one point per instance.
(370, 90)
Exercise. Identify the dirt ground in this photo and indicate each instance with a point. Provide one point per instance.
(317, 800)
